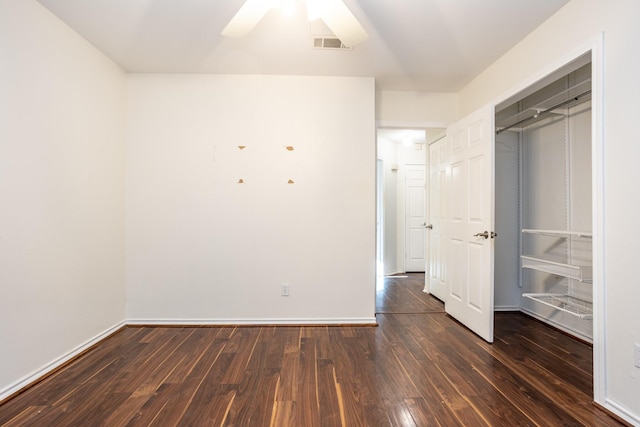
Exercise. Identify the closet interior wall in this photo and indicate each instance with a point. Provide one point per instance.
(543, 205)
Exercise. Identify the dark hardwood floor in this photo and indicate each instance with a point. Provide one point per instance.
(403, 294)
(419, 367)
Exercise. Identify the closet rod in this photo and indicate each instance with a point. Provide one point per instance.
(548, 110)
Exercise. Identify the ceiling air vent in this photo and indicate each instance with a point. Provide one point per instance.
(329, 43)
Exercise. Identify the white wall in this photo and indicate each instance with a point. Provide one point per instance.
(567, 31)
(388, 153)
(61, 192)
(416, 109)
(203, 248)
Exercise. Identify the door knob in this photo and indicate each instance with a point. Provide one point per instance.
(485, 235)
(430, 226)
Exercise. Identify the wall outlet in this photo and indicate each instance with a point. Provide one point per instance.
(284, 290)
(636, 356)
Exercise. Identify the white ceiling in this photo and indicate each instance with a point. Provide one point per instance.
(417, 45)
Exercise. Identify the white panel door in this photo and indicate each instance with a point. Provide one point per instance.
(416, 217)
(436, 279)
(471, 222)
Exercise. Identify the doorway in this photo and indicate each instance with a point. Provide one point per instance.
(402, 205)
(543, 194)
(570, 129)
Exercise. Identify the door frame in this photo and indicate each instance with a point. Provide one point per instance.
(596, 47)
(379, 219)
(400, 225)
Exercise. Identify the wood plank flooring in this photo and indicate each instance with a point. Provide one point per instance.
(419, 367)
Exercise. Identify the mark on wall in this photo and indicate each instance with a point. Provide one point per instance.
(243, 147)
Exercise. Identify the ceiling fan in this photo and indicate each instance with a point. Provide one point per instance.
(335, 14)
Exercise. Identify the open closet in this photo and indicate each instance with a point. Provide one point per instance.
(543, 201)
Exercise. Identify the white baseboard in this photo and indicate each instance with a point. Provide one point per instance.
(506, 308)
(624, 413)
(355, 321)
(56, 363)
(392, 272)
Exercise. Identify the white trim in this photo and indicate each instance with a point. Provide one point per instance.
(357, 321)
(590, 45)
(598, 214)
(506, 308)
(393, 272)
(56, 363)
(622, 412)
(427, 213)
(380, 180)
(401, 220)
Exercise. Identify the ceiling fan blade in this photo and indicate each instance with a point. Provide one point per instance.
(344, 25)
(251, 12)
